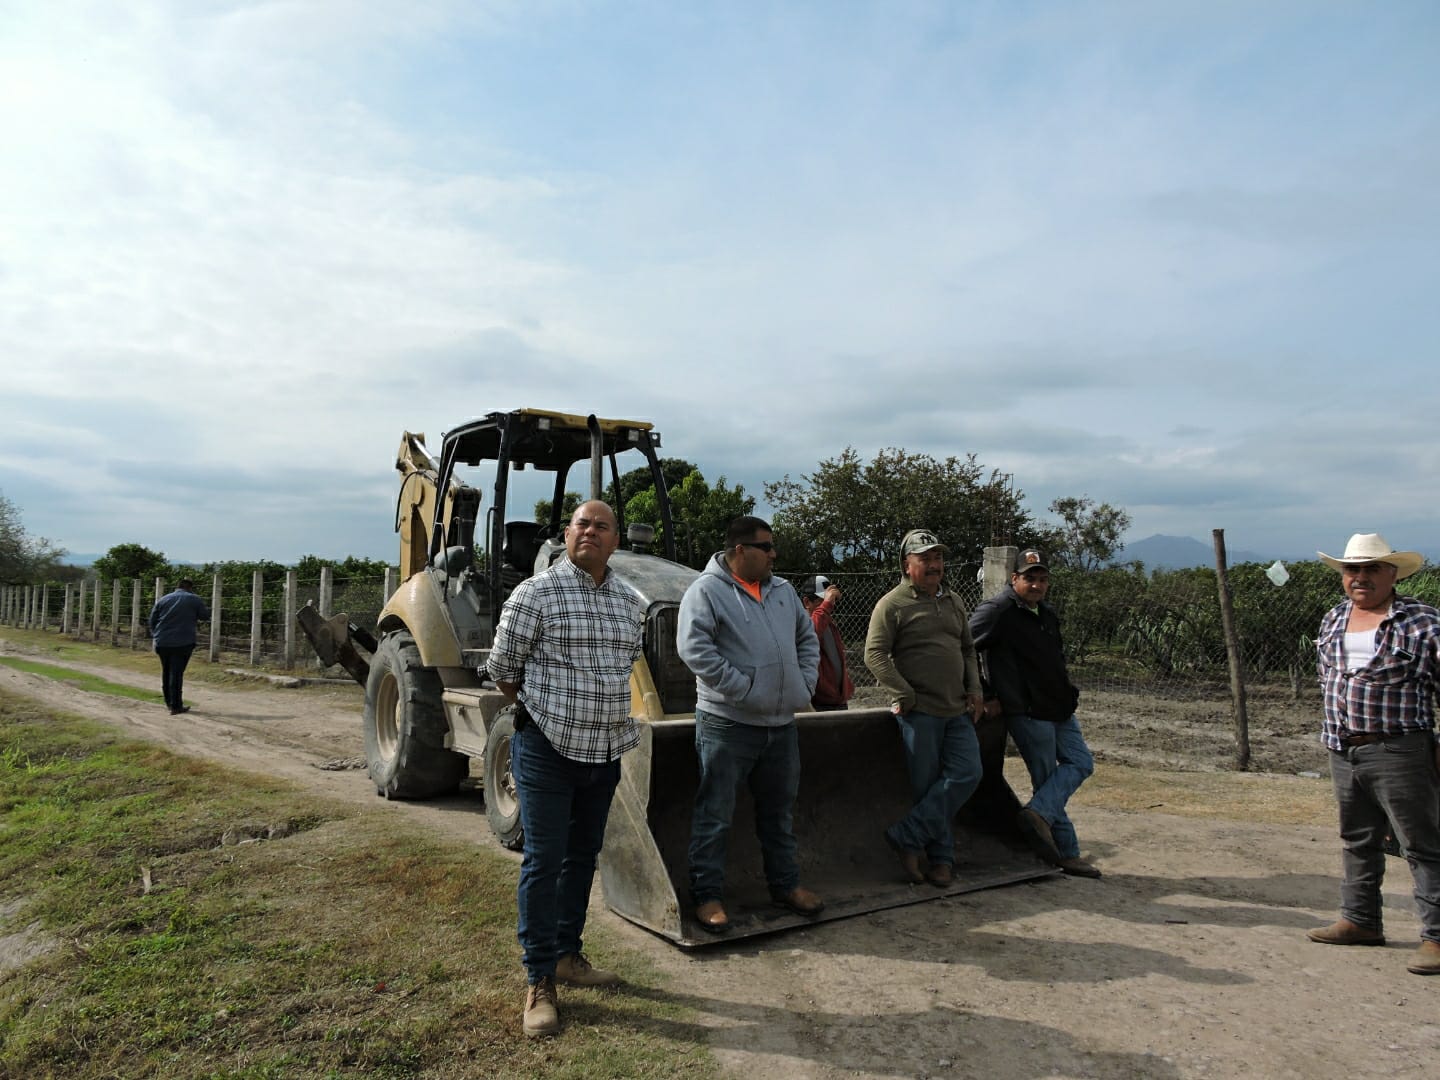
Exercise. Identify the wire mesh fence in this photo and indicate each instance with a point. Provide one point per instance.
(1156, 634)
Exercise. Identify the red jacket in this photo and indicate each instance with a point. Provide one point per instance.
(834, 686)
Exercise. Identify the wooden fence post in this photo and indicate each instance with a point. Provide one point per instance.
(135, 613)
(257, 598)
(1232, 655)
(215, 596)
(292, 590)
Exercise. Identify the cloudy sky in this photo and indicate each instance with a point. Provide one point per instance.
(1180, 257)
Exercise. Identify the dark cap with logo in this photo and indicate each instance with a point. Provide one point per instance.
(919, 541)
(813, 586)
(1030, 559)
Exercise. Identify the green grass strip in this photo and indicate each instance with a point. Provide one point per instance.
(79, 679)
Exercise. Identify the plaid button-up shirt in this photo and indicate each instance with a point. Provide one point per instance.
(1394, 693)
(570, 645)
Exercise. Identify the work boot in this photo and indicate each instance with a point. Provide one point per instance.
(909, 860)
(800, 900)
(941, 875)
(573, 969)
(1345, 932)
(542, 1008)
(1426, 960)
(1078, 867)
(1037, 831)
(711, 916)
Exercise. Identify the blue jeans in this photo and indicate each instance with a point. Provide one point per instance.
(173, 660)
(1059, 762)
(563, 807)
(943, 756)
(767, 760)
(1377, 785)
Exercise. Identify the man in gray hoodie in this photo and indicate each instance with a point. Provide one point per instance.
(747, 638)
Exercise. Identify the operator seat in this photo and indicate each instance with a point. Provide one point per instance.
(522, 544)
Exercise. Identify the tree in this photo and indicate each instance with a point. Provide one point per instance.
(1089, 535)
(632, 483)
(568, 504)
(851, 515)
(23, 558)
(701, 513)
(128, 561)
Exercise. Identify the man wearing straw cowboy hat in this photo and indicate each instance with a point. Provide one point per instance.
(1379, 662)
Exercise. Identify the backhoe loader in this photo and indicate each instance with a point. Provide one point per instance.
(430, 706)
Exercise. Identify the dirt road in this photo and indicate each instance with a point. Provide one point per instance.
(1188, 959)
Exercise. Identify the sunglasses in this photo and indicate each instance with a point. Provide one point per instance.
(763, 545)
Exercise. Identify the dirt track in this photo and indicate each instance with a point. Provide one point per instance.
(1188, 959)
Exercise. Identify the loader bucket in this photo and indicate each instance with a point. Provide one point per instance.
(853, 782)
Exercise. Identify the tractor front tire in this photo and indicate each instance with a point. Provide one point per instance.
(502, 801)
(405, 725)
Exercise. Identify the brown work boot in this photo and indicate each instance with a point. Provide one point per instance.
(711, 916)
(941, 875)
(1037, 831)
(909, 860)
(573, 969)
(542, 1009)
(1078, 867)
(1345, 932)
(800, 900)
(1426, 960)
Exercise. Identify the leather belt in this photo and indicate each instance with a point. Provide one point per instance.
(1365, 739)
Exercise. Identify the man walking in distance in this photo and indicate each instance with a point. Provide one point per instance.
(920, 650)
(745, 635)
(1018, 634)
(565, 644)
(1379, 660)
(833, 688)
(172, 625)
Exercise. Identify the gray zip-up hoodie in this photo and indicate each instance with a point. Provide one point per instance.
(754, 662)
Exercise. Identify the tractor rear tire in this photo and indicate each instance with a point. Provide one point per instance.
(502, 801)
(405, 725)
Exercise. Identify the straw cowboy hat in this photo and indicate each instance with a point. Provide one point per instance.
(1372, 547)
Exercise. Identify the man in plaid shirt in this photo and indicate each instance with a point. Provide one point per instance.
(563, 651)
(1379, 660)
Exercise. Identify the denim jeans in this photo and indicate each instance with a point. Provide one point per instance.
(563, 807)
(1059, 762)
(943, 756)
(173, 659)
(767, 760)
(1377, 785)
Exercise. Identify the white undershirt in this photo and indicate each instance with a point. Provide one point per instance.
(1359, 649)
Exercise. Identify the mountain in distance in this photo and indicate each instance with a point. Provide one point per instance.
(1160, 552)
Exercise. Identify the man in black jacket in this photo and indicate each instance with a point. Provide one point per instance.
(1018, 634)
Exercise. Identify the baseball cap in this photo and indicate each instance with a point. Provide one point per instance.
(1030, 559)
(919, 541)
(813, 586)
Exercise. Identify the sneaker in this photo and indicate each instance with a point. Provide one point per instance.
(542, 1008)
(1078, 867)
(573, 969)
(1037, 832)
(1426, 960)
(1345, 932)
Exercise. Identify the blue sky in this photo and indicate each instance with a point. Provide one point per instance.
(1179, 257)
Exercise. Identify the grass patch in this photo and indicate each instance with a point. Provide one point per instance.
(349, 944)
(79, 679)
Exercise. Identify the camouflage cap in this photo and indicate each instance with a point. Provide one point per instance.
(919, 541)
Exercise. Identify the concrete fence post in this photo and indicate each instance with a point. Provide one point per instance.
(135, 614)
(292, 591)
(257, 599)
(115, 612)
(65, 611)
(999, 564)
(392, 582)
(327, 600)
(83, 594)
(95, 615)
(215, 597)
(44, 607)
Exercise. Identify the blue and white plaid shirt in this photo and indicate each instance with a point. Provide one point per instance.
(1395, 692)
(570, 645)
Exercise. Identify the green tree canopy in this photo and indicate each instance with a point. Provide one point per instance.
(850, 514)
(701, 512)
(23, 558)
(1089, 534)
(129, 561)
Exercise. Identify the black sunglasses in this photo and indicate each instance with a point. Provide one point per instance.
(763, 545)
